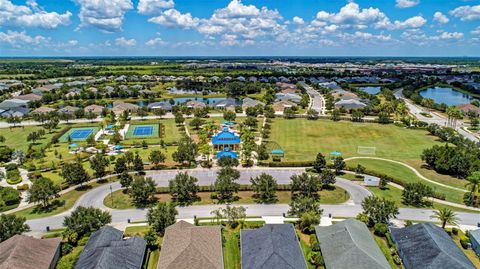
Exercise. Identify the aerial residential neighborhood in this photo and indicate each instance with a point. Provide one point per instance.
(239, 134)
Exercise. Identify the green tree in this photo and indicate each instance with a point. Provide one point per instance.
(86, 220)
(74, 173)
(196, 123)
(229, 115)
(152, 238)
(227, 162)
(179, 119)
(138, 163)
(319, 162)
(11, 225)
(161, 216)
(226, 184)
(312, 114)
(42, 191)
(157, 157)
(142, 191)
(379, 210)
(339, 164)
(414, 194)
(125, 180)
(446, 216)
(265, 188)
(233, 214)
(335, 115)
(301, 205)
(99, 165)
(186, 151)
(305, 185)
(183, 188)
(121, 165)
(359, 170)
(307, 222)
(327, 178)
(473, 183)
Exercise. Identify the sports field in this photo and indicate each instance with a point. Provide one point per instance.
(142, 131)
(302, 139)
(78, 134)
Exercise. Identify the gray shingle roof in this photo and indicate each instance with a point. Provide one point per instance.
(428, 246)
(107, 249)
(349, 244)
(272, 246)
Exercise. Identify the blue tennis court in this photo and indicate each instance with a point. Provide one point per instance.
(143, 130)
(81, 133)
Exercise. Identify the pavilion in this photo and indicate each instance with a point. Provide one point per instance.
(226, 140)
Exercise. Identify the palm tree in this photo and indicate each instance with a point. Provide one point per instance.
(473, 183)
(446, 215)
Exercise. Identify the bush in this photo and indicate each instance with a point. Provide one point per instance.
(83, 241)
(11, 166)
(389, 240)
(22, 187)
(464, 241)
(68, 261)
(397, 260)
(408, 223)
(381, 229)
(286, 164)
(10, 195)
(316, 258)
(455, 231)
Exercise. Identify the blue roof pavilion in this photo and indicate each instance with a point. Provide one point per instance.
(226, 154)
(225, 139)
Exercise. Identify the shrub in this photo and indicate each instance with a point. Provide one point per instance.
(397, 260)
(389, 240)
(11, 166)
(455, 231)
(22, 187)
(381, 229)
(316, 258)
(83, 241)
(10, 195)
(68, 261)
(464, 241)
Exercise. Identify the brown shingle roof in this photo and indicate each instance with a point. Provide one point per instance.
(186, 246)
(25, 252)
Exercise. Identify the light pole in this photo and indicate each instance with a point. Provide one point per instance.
(111, 195)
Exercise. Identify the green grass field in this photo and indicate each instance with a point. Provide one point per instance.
(131, 129)
(302, 139)
(64, 137)
(16, 138)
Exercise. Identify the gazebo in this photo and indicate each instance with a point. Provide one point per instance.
(225, 139)
(226, 153)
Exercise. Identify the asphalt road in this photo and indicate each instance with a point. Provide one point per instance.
(316, 97)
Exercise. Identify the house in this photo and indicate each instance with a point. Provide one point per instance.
(195, 104)
(68, 109)
(14, 107)
(475, 240)
(465, 108)
(349, 244)
(29, 97)
(94, 109)
(26, 252)
(292, 97)
(281, 105)
(160, 105)
(350, 104)
(272, 246)
(43, 110)
(428, 246)
(249, 102)
(187, 246)
(119, 107)
(107, 249)
(226, 103)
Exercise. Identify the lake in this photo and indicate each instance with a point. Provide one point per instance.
(446, 95)
(371, 89)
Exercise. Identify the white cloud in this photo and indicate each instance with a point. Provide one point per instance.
(156, 42)
(107, 15)
(407, 3)
(31, 16)
(150, 7)
(174, 18)
(298, 20)
(467, 13)
(18, 39)
(229, 40)
(476, 31)
(440, 17)
(448, 35)
(413, 22)
(122, 41)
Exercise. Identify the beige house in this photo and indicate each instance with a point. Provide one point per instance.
(43, 110)
(119, 107)
(94, 108)
(26, 252)
(281, 105)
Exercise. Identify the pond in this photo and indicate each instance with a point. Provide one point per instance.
(371, 89)
(446, 95)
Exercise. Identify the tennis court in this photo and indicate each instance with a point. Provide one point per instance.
(78, 134)
(142, 131)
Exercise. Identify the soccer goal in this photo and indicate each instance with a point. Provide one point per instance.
(362, 150)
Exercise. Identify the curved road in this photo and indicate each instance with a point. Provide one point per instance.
(205, 177)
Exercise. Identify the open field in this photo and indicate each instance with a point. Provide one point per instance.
(406, 175)
(302, 139)
(16, 138)
(123, 201)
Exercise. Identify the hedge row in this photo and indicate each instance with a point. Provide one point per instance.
(285, 164)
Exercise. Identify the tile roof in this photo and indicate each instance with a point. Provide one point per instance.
(186, 246)
(428, 246)
(349, 244)
(25, 252)
(272, 246)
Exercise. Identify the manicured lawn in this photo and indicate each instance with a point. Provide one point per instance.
(16, 138)
(123, 201)
(136, 230)
(59, 205)
(431, 174)
(470, 253)
(302, 139)
(406, 175)
(231, 248)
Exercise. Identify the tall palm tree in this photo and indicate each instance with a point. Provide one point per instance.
(473, 183)
(446, 215)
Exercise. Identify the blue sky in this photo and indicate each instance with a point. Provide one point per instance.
(239, 28)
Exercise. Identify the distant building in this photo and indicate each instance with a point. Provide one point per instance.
(107, 249)
(281, 105)
(25, 252)
(350, 104)
(160, 105)
(94, 109)
(195, 104)
(43, 110)
(186, 246)
(292, 97)
(29, 97)
(349, 244)
(249, 102)
(272, 246)
(119, 107)
(428, 246)
(68, 110)
(475, 240)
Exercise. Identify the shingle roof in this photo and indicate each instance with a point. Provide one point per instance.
(107, 249)
(428, 246)
(186, 246)
(348, 244)
(25, 252)
(272, 246)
